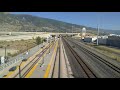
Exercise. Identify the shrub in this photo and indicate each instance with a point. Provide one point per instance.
(22, 39)
(38, 40)
(1, 46)
(9, 54)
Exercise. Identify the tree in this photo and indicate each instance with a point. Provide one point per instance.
(38, 40)
(53, 35)
(44, 40)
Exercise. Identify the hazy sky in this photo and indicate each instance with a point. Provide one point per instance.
(107, 20)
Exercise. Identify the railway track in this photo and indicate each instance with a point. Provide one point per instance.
(96, 57)
(86, 71)
(56, 66)
(35, 59)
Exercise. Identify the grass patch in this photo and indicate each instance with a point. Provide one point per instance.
(108, 51)
(11, 54)
(19, 45)
(111, 55)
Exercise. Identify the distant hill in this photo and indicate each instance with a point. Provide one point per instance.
(13, 22)
(26, 23)
(113, 32)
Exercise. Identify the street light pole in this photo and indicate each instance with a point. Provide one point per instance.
(20, 70)
(43, 58)
(43, 52)
(49, 45)
(27, 47)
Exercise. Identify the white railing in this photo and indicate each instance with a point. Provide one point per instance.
(2, 66)
(19, 58)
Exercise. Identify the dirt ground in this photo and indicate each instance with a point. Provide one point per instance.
(17, 46)
(113, 53)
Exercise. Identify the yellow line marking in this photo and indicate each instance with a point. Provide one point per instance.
(49, 65)
(47, 71)
(11, 72)
(33, 69)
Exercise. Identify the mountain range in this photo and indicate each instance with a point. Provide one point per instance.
(28, 23)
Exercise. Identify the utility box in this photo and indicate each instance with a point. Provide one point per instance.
(2, 60)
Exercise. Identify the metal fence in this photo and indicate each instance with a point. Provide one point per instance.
(19, 58)
(3, 66)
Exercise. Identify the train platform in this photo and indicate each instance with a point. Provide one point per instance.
(50, 66)
(39, 70)
(50, 61)
(6, 72)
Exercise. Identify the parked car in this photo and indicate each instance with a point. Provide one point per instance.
(4, 75)
(24, 60)
(13, 68)
(73, 46)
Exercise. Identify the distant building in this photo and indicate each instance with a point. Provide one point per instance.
(83, 33)
(90, 39)
(102, 40)
(113, 41)
(113, 35)
(10, 33)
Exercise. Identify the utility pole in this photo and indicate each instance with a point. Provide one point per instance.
(27, 46)
(43, 41)
(97, 34)
(43, 58)
(5, 53)
(72, 30)
(20, 70)
(49, 45)
(42, 50)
